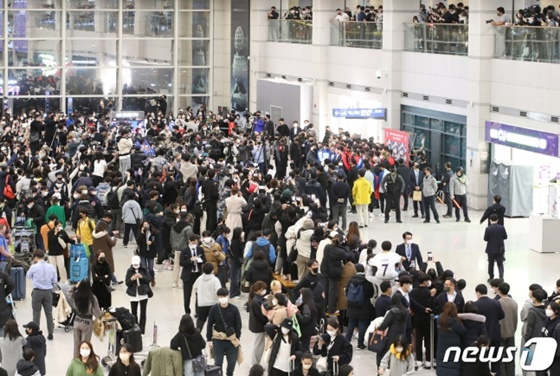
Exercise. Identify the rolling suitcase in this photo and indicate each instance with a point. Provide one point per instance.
(18, 275)
(212, 370)
(134, 338)
(79, 264)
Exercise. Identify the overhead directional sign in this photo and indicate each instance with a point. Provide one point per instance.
(360, 113)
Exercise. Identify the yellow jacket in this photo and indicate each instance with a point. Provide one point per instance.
(361, 192)
(85, 230)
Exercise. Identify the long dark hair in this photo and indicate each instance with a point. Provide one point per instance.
(237, 234)
(259, 285)
(449, 310)
(83, 297)
(131, 362)
(11, 329)
(307, 299)
(187, 324)
(407, 348)
(396, 301)
(92, 362)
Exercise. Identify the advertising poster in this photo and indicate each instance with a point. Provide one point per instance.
(200, 30)
(239, 55)
(398, 142)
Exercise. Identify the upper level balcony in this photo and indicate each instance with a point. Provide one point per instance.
(527, 43)
(439, 38)
(357, 34)
(290, 31)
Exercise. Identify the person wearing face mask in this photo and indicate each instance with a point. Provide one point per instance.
(305, 368)
(360, 311)
(192, 259)
(36, 342)
(147, 245)
(458, 193)
(104, 242)
(138, 290)
(333, 345)
(56, 209)
(307, 316)
(311, 280)
(125, 364)
(410, 252)
(399, 358)
(37, 214)
(422, 304)
(205, 289)
(284, 349)
(57, 238)
(101, 286)
(170, 217)
(224, 331)
(86, 363)
(214, 254)
(257, 320)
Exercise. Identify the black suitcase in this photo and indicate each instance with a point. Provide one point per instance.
(134, 338)
(212, 370)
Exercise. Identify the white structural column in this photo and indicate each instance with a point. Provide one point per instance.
(220, 50)
(395, 14)
(323, 12)
(481, 51)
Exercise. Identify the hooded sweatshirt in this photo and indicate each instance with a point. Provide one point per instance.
(180, 234)
(27, 368)
(206, 287)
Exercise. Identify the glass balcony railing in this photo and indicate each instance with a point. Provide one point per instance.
(357, 34)
(290, 31)
(447, 39)
(527, 43)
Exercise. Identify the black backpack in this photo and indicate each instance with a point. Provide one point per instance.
(355, 295)
(265, 248)
(113, 199)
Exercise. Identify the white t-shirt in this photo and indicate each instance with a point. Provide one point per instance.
(385, 263)
(99, 167)
(342, 17)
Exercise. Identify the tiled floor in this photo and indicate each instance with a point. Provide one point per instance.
(459, 246)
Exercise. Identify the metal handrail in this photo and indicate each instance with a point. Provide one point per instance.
(290, 31)
(527, 43)
(437, 38)
(359, 34)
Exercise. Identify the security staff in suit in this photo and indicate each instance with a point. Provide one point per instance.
(445, 183)
(493, 311)
(295, 131)
(415, 180)
(494, 236)
(269, 127)
(496, 208)
(404, 171)
(410, 251)
(192, 259)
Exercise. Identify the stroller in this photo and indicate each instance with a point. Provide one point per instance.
(23, 238)
(64, 303)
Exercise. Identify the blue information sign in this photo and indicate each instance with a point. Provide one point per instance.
(360, 113)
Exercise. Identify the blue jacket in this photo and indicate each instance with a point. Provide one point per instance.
(261, 242)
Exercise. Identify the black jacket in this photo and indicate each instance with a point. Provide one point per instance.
(188, 265)
(314, 188)
(396, 321)
(275, 334)
(382, 305)
(219, 318)
(497, 209)
(307, 319)
(420, 299)
(131, 285)
(259, 271)
(340, 347)
(211, 191)
(445, 180)
(340, 193)
(331, 265)
(299, 371)
(475, 326)
(494, 236)
(536, 319)
(493, 311)
(26, 368)
(404, 172)
(365, 312)
(8, 285)
(55, 249)
(37, 342)
(169, 219)
(441, 299)
(257, 320)
(194, 341)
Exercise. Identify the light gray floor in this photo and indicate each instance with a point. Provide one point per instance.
(459, 246)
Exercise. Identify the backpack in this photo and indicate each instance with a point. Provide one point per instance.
(391, 184)
(8, 192)
(113, 199)
(355, 295)
(265, 248)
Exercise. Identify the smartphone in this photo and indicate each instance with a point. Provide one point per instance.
(313, 197)
(430, 257)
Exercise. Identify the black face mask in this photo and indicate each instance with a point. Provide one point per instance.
(101, 260)
(315, 270)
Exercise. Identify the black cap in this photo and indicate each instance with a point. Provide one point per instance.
(32, 325)
(287, 323)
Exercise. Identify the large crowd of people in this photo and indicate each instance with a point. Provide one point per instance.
(234, 204)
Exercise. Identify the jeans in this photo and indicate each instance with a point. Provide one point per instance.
(148, 263)
(362, 326)
(134, 310)
(235, 283)
(339, 211)
(42, 299)
(362, 214)
(462, 201)
(430, 204)
(225, 349)
(127, 228)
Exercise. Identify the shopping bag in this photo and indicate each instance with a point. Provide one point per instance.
(377, 341)
(417, 196)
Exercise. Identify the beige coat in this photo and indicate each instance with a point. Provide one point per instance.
(234, 206)
(102, 242)
(215, 260)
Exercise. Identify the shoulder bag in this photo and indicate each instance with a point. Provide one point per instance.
(198, 363)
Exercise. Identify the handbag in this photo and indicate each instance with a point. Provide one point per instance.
(198, 363)
(417, 196)
(377, 341)
(292, 257)
(8, 192)
(322, 364)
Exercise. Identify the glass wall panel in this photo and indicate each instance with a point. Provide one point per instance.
(194, 4)
(91, 81)
(193, 101)
(152, 24)
(34, 4)
(193, 53)
(21, 105)
(34, 24)
(151, 51)
(194, 24)
(95, 52)
(90, 104)
(150, 103)
(38, 53)
(84, 23)
(193, 81)
(34, 81)
(140, 80)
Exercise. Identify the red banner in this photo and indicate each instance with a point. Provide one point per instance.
(398, 142)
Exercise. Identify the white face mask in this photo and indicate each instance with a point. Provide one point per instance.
(263, 293)
(76, 196)
(207, 240)
(223, 300)
(409, 241)
(331, 333)
(124, 357)
(285, 330)
(399, 349)
(85, 353)
(135, 266)
(549, 312)
(306, 366)
(274, 302)
(429, 283)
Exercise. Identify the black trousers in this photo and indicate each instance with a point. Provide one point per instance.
(417, 204)
(393, 203)
(211, 218)
(382, 202)
(497, 258)
(187, 291)
(405, 198)
(331, 290)
(141, 321)
(462, 201)
(449, 204)
(127, 228)
(423, 334)
(202, 313)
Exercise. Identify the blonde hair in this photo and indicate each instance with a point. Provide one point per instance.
(275, 287)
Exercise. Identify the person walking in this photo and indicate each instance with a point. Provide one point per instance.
(192, 259)
(205, 289)
(191, 343)
(399, 359)
(393, 186)
(43, 277)
(449, 331)
(125, 364)
(86, 363)
(11, 347)
(237, 247)
(104, 242)
(138, 290)
(496, 208)
(360, 311)
(257, 320)
(361, 194)
(429, 189)
(285, 347)
(87, 308)
(131, 217)
(57, 238)
(36, 341)
(181, 232)
(458, 193)
(493, 311)
(494, 236)
(307, 316)
(234, 209)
